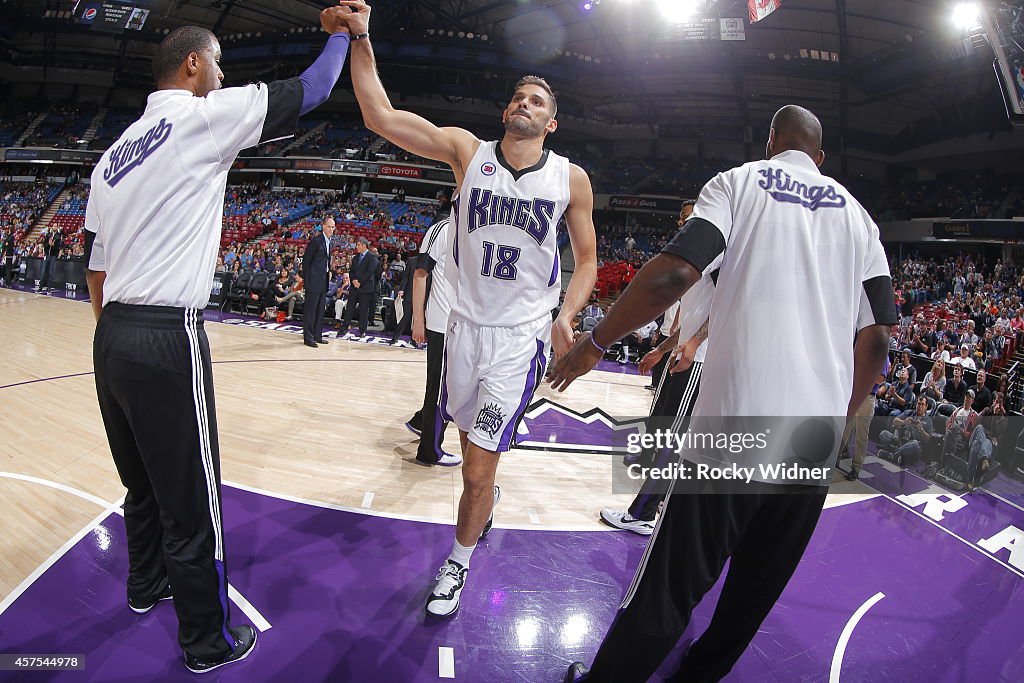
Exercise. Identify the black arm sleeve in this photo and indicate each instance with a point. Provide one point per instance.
(882, 299)
(425, 262)
(699, 242)
(90, 237)
(284, 99)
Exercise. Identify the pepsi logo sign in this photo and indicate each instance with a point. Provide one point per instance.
(488, 168)
(90, 14)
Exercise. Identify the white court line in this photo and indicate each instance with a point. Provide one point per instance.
(367, 500)
(845, 498)
(844, 637)
(889, 466)
(534, 517)
(56, 485)
(114, 507)
(59, 553)
(254, 615)
(445, 662)
(406, 518)
(555, 446)
(998, 497)
(963, 540)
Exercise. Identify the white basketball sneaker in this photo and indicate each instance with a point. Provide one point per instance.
(449, 460)
(444, 599)
(621, 519)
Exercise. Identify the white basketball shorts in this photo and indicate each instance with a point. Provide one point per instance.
(490, 374)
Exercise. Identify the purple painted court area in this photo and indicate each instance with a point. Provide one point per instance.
(344, 593)
(550, 426)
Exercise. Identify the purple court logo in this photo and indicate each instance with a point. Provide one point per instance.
(490, 419)
(488, 168)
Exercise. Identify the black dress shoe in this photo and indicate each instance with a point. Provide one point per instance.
(245, 641)
(309, 342)
(143, 606)
(321, 341)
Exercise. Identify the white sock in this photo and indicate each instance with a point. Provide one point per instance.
(461, 553)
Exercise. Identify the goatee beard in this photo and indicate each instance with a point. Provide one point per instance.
(521, 126)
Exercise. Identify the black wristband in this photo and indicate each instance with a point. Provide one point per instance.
(361, 36)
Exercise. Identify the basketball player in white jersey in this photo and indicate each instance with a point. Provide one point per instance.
(431, 305)
(510, 196)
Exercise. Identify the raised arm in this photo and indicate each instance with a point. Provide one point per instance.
(411, 132)
(579, 217)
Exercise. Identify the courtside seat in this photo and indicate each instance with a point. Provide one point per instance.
(239, 290)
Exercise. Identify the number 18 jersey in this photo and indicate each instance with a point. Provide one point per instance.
(505, 269)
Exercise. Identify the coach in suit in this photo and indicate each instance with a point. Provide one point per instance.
(363, 275)
(316, 264)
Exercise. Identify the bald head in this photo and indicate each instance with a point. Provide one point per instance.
(796, 128)
(328, 226)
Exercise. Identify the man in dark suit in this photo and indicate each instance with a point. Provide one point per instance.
(7, 256)
(363, 275)
(315, 268)
(51, 248)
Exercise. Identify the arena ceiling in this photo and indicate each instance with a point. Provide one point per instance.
(892, 74)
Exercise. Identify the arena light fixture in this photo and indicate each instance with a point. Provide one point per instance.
(966, 16)
(676, 11)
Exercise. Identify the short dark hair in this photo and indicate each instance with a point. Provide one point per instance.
(176, 47)
(540, 82)
(686, 203)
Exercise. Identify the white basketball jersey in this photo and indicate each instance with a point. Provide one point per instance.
(435, 245)
(504, 268)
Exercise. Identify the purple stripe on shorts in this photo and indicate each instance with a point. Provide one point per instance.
(537, 365)
(442, 405)
(222, 591)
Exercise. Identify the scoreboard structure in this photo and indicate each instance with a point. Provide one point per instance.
(111, 16)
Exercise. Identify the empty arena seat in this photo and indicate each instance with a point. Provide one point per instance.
(239, 291)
